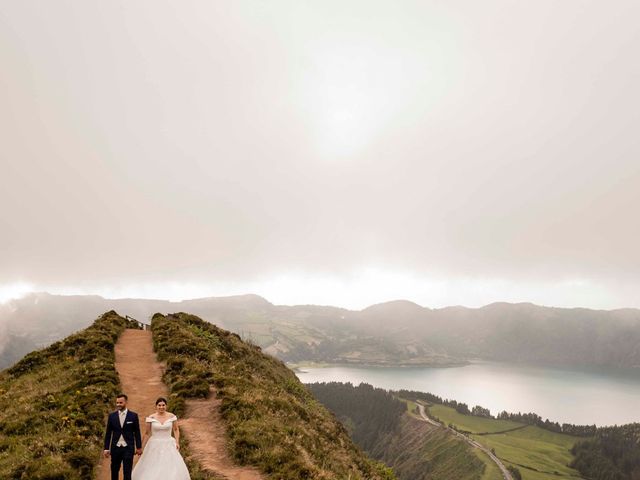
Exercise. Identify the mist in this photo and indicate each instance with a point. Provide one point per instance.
(332, 153)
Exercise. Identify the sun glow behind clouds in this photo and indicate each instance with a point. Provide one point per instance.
(356, 89)
(14, 290)
(369, 75)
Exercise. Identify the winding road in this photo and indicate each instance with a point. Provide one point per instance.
(470, 441)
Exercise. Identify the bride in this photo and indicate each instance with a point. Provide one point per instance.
(160, 451)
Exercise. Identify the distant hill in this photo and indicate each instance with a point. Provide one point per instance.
(391, 333)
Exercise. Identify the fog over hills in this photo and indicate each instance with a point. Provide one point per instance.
(392, 333)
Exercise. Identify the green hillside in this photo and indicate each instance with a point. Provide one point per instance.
(273, 422)
(54, 401)
(381, 424)
(53, 404)
(539, 454)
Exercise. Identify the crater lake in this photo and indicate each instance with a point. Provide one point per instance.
(580, 396)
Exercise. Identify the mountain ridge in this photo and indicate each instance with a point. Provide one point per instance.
(398, 332)
(53, 404)
(261, 299)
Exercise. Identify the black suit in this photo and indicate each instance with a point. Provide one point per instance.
(130, 431)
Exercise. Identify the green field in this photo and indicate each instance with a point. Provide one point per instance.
(492, 472)
(537, 453)
(469, 423)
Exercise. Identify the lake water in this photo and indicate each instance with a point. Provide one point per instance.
(585, 397)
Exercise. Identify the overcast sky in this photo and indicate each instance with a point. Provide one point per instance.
(334, 152)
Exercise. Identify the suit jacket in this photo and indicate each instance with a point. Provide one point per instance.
(130, 430)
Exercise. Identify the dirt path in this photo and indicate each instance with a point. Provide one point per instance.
(203, 427)
(141, 378)
(473, 443)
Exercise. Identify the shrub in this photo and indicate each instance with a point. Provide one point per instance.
(53, 402)
(272, 420)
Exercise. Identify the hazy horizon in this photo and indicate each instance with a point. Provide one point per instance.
(449, 153)
(399, 299)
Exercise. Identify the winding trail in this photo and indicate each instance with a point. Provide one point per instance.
(141, 379)
(473, 443)
(204, 428)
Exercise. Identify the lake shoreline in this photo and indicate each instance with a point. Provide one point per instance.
(576, 396)
(297, 366)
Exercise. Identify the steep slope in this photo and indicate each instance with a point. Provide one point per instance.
(53, 402)
(380, 424)
(53, 405)
(273, 422)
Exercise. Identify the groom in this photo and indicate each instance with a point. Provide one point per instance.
(122, 438)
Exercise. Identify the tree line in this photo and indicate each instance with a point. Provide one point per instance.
(368, 413)
(526, 418)
(612, 454)
(606, 453)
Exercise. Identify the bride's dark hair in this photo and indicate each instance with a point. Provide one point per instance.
(161, 399)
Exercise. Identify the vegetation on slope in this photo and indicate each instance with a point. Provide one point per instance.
(273, 422)
(369, 413)
(52, 405)
(613, 454)
(538, 453)
(380, 424)
(506, 419)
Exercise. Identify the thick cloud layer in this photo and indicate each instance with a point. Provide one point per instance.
(481, 146)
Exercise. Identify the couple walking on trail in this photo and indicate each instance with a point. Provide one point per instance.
(159, 451)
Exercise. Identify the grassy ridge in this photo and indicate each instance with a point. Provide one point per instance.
(383, 426)
(272, 421)
(419, 451)
(539, 454)
(53, 402)
(490, 470)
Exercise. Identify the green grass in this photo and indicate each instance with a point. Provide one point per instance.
(450, 458)
(536, 448)
(491, 472)
(539, 454)
(469, 423)
(272, 420)
(412, 408)
(53, 405)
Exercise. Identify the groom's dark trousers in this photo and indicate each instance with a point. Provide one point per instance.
(130, 431)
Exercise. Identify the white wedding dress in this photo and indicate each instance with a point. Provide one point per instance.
(160, 459)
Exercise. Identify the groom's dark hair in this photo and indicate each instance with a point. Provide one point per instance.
(122, 395)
